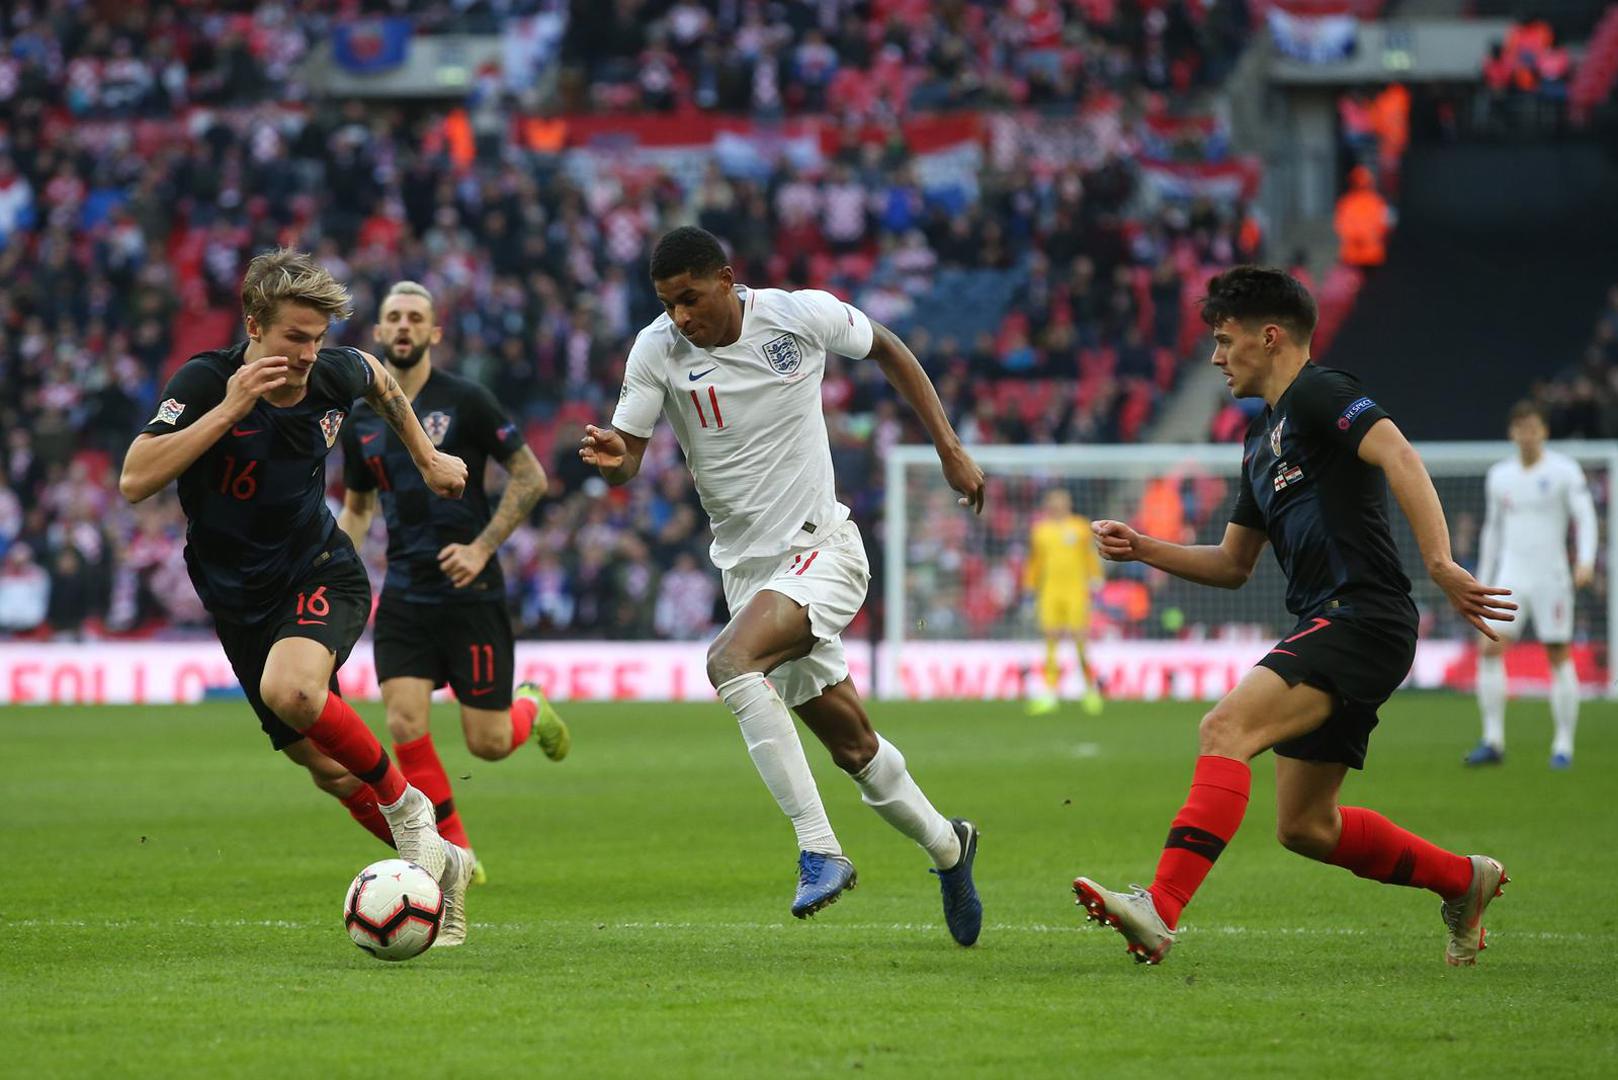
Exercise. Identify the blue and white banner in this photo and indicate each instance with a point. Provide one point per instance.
(1314, 39)
(371, 46)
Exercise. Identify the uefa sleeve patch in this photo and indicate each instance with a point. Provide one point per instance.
(1345, 421)
(367, 376)
(169, 412)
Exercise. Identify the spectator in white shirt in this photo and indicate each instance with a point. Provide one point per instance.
(25, 591)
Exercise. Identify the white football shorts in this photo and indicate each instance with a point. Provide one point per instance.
(830, 579)
(1544, 602)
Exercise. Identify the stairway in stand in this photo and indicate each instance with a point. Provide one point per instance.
(1501, 259)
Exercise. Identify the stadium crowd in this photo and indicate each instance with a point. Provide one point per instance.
(1526, 79)
(143, 160)
(892, 55)
(1582, 401)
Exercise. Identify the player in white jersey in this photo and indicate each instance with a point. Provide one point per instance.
(737, 371)
(1530, 500)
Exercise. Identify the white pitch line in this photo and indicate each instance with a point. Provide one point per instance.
(744, 927)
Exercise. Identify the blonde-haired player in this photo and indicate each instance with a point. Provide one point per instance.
(244, 431)
(1063, 569)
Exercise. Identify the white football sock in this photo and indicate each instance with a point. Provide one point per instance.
(772, 742)
(1564, 706)
(1492, 699)
(885, 786)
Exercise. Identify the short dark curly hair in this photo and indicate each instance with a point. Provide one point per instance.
(687, 249)
(1248, 293)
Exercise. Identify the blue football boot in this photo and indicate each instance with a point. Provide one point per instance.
(1561, 762)
(963, 911)
(1484, 754)
(822, 878)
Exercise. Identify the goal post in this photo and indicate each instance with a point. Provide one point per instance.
(957, 622)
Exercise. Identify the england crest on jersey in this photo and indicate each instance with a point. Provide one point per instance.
(783, 354)
(331, 424)
(436, 425)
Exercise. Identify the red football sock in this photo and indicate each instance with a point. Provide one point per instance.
(523, 711)
(1210, 817)
(363, 809)
(341, 735)
(420, 763)
(1374, 847)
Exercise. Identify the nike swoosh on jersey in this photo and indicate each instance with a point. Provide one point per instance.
(480, 693)
(238, 432)
(695, 375)
(364, 439)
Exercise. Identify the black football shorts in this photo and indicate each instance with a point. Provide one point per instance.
(1357, 655)
(329, 604)
(468, 646)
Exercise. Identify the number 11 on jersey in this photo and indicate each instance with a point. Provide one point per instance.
(713, 400)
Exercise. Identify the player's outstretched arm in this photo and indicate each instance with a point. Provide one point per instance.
(615, 454)
(901, 368)
(154, 460)
(1225, 565)
(445, 473)
(525, 486)
(1385, 446)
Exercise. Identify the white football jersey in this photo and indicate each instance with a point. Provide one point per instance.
(1526, 518)
(748, 416)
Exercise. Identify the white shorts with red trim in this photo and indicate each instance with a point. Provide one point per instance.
(830, 580)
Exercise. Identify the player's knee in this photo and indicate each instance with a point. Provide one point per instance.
(332, 778)
(1221, 732)
(296, 702)
(725, 662)
(1309, 837)
(406, 726)
(490, 745)
(338, 785)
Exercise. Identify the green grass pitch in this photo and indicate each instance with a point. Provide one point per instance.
(172, 896)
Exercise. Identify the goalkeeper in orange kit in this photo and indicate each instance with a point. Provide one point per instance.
(1063, 570)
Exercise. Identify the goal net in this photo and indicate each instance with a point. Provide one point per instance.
(958, 623)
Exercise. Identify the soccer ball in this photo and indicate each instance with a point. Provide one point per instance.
(393, 910)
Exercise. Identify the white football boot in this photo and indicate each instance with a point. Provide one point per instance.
(1132, 914)
(415, 832)
(458, 863)
(1464, 914)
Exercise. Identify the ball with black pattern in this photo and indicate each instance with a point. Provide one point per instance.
(393, 910)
